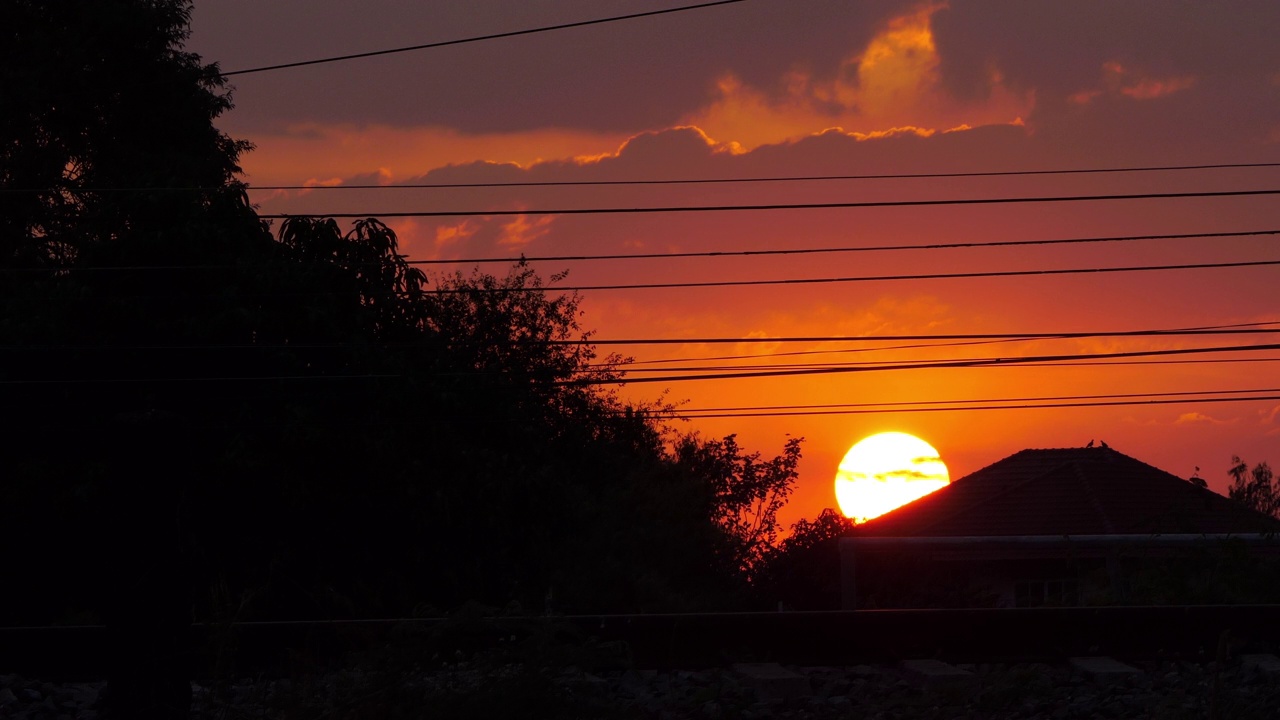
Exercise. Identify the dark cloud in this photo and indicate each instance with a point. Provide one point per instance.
(1058, 48)
(1140, 82)
(627, 76)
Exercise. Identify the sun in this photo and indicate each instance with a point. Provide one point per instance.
(886, 471)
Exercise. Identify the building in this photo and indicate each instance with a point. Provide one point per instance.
(1063, 526)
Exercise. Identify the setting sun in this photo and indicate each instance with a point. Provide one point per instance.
(886, 471)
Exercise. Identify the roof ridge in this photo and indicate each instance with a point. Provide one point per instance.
(1003, 491)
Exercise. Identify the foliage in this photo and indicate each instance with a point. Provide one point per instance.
(744, 494)
(804, 572)
(108, 123)
(1257, 488)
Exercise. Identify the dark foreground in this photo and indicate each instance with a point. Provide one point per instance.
(487, 688)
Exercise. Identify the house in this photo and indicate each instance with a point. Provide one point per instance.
(1065, 526)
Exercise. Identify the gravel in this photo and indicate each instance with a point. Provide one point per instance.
(479, 689)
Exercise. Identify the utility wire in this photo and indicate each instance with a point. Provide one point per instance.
(770, 179)
(972, 401)
(871, 364)
(867, 248)
(666, 181)
(974, 362)
(703, 254)
(868, 364)
(627, 369)
(1038, 360)
(1110, 403)
(869, 278)
(1201, 361)
(1251, 328)
(631, 365)
(773, 282)
(774, 206)
(1232, 329)
(1028, 338)
(477, 38)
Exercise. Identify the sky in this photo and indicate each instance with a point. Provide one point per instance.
(820, 88)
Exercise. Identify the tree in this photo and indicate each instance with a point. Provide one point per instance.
(1256, 488)
(108, 126)
(109, 159)
(743, 495)
(804, 572)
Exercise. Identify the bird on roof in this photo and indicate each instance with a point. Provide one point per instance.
(1103, 443)
(1090, 444)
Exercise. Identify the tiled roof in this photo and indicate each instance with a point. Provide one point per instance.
(1069, 491)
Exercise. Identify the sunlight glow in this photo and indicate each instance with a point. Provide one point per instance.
(886, 471)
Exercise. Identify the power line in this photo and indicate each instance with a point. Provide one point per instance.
(972, 401)
(866, 248)
(1231, 329)
(706, 254)
(667, 181)
(1250, 328)
(872, 278)
(915, 346)
(774, 206)
(1041, 360)
(631, 366)
(770, 179)
(782, 281)
(968, 363)
(1114, 403)
(477, 38)
(1202, 361)
(868, 364)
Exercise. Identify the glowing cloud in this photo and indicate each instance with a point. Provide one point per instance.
(319, 150)
(1132, 83)
(891, 86)
(1197, 417)
(520, 231)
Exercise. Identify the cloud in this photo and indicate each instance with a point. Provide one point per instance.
(1198, 417)
(325, 150)
(889, 86)
(1135, 84)
(904, 476)
(619, 77)
(521, 231)
(1087, 62)
(449, 234)
(1268, 417)
(1150, 89)
(758, 348)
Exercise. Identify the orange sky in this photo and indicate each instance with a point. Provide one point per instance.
(770, 89)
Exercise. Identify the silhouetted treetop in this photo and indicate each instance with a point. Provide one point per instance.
(104, 116)
(1256, 488)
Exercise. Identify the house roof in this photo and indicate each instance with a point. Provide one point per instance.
(1069, 491)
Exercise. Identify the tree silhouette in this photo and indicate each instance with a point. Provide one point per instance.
(107, 126)
(803, 573)
(745, 494)
(300, 425)
(1256, 488)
